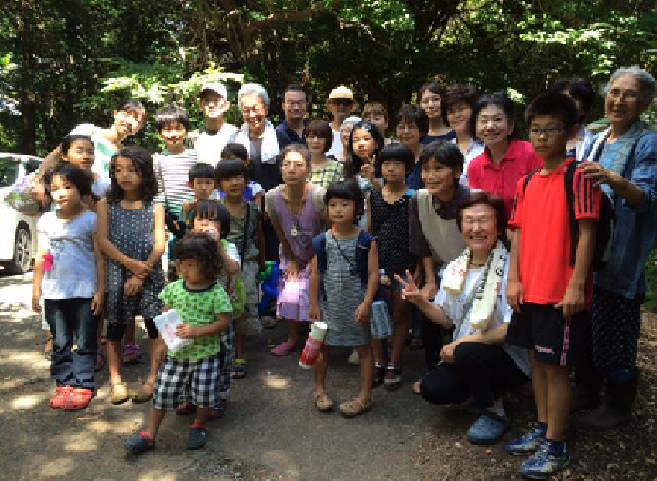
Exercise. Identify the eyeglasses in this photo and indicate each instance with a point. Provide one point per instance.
(549, 132)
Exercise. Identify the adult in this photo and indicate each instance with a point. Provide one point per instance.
(623, 159)
(259, 136)
(504, 160)
(457, 106)
(295, 107)
(582, 92)
(431, 96)
(340, 104)
(412, 128)
(476, 364)
(129, 118)
(217, 132)
(345, 138)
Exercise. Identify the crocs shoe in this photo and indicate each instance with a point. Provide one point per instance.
(78, 398)
(545, 462)
(488, 429)
(139, 443)
(197, 438)
(58, 400)
(528, 443)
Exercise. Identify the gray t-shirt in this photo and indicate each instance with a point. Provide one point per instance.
(70, 242)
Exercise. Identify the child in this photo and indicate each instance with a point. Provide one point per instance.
(203, 183)
(388, 222)
(412, 127)
(214, 104)
(323, 170)
(346, 300)
(204, 308)
(549, 290)
(254, 192)
(377, 113)
(78, 150)
(131, 234)
(296, 210)
(246, 234)
(69, 274)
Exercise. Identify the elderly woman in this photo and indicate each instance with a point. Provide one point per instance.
(259, 136)
(477, 364)
(623, 160)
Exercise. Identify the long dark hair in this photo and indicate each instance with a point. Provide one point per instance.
(143, 164)
(353, 163)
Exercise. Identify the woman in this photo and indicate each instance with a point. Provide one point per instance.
(504, 160)
(476, 364)
(412, 128)
(623, 159)
(324, 171)
(431, 96)
(345, 134)
(457, 107)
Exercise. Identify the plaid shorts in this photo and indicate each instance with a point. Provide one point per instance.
(175, 377)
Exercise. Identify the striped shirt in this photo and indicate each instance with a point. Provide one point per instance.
(172, 175)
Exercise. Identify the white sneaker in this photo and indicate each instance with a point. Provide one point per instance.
(353, 359)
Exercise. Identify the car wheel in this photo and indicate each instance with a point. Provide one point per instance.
(22, 261)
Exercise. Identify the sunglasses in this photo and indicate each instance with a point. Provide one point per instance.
(342, 102)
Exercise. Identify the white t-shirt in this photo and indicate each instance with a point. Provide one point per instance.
(453, 305)
(336, 149)
(100, 186)
(209, 146)
(103, 148)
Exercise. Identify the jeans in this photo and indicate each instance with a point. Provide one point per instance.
(68, 367)
(480, 371)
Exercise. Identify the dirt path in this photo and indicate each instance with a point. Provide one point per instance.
(271, 430)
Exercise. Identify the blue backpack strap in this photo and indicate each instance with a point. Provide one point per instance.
(319, 246)
(363, 245)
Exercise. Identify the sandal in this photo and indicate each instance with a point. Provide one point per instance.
(350, 409)
(142, 394)
(283, 349)
(185, 408)
(119, 393)
(197, 437)
(131, 353)
(219, 410)
(58, 400)
(100, 362)
(239, 369)
(78, 398)
(322, 402)
(139, 443)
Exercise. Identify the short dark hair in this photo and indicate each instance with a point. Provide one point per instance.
(200, 247)
(299, 149)
(294, 87)
(499, 99)
(143, 163)
(69, 139)
(375, 106)
(433, 87)
(497, 204)
(234, 149)
(396, 152)
(457, 94)
(322, 129)
(131, 105)
(578, 88)
(73, 174)
(171, 114)
(353, 163)
(347, 190)
(229, 168)
(554, 104)
(413, 113)
(445, 153)
(201, 171)
(213, 210)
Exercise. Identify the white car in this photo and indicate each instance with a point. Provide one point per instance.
(18, 240)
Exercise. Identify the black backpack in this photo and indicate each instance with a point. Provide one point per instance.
(604, 226)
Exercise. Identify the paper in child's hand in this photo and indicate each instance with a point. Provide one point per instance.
(167, 324)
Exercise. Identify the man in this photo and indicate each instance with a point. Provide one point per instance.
(217, 132)
(295, 107)
(340, 103)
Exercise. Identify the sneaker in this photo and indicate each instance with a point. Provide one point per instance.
(197, 438)
(487, 429)
(393, 378)
(545, 462)
(353, 359)
(379, 375)
(139, 443)
(528, 443)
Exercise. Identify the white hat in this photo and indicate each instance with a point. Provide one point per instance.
(217, 88)
(341, 92)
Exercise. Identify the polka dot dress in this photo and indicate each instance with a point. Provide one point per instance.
(131, 232)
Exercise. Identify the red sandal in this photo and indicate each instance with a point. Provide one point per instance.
(58, 400)
(78, 398)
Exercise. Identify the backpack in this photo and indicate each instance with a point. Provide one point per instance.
(604, 226)
(362, 256)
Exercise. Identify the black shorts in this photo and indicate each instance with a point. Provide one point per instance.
(544, 330)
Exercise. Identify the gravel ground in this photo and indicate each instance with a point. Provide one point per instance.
(271, 430)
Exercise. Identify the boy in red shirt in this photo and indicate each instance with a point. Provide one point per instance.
(550, 291)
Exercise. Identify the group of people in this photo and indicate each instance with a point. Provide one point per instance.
(508, 261)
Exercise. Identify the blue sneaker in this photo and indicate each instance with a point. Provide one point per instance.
(545, 462)
(528, 443)
(487, 429)
(139, 443)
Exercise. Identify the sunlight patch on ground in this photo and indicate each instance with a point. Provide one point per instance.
(157, 475)
(57, 468)
(276, 381)
(30, 360)
(80, 442)
(28, 401)
(282, 461)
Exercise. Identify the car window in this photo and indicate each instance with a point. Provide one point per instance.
(8, 171)
(31, 165)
